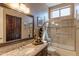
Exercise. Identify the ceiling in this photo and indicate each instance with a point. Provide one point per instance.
(38, 8)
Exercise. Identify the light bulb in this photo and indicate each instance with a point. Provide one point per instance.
(13, 5)
(24, 8)
(53, 22)
(19, 7)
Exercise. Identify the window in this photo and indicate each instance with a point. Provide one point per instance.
(60, 12)
(77, 9)
(55, 14)
(65, 12)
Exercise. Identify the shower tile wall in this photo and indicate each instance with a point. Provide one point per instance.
(64, 34)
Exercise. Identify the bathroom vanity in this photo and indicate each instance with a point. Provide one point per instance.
(28, 50)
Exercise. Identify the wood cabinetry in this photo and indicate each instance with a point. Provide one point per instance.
(43, 52)
(13, 27)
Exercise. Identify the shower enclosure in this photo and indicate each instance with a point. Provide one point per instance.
(63, 27)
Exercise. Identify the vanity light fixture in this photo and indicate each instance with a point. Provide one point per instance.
(24, 8)
(14, 6)
(19, 7)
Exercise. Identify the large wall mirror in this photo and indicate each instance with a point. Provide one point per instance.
(19, 27)
(28, 23)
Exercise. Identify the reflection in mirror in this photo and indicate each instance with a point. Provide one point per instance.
(14, 30)
(28, 25)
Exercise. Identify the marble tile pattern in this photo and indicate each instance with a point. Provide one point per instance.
(11, 47)
(27, 50)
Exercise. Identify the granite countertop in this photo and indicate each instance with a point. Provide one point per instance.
(27, 50)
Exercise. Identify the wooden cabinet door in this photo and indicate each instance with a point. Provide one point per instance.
(9, 26)
(17, 28)
(13, 28)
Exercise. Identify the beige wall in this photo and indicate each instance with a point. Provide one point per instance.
(1, 24)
